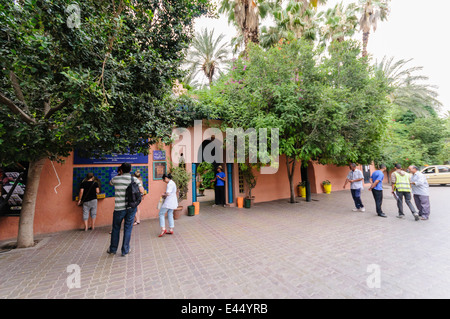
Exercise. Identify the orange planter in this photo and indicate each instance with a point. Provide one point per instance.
(240, 202)
(197, 207)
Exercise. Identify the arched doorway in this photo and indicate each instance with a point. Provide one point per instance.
(203, 172)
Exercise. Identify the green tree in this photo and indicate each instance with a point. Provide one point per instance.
(207, 55)
(293, 19)
(412, 140)
(92, 76)
(371, 11)
(329, 109)
(409, 89)
(338, 22)
(246, 16)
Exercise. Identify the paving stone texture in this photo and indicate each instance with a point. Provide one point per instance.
(275, 250)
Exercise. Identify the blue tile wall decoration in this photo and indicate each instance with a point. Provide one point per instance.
(104, 175)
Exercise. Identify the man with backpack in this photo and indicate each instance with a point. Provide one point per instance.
(128, 193)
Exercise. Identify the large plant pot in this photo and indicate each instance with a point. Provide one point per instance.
(191, 210)
(240, 202)
(302, 191)
(177, 212)
(197, 207)
(327, 188)
(247, 202)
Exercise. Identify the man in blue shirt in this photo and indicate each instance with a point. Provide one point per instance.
(377, 188)
(220, 187)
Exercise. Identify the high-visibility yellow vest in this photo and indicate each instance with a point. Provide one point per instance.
(402, 183)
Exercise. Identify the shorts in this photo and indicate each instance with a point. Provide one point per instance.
(90, 207)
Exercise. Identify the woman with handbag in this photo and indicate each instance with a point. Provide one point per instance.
(88, 199)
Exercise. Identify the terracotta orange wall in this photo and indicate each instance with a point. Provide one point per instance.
(276, 186)
(335, 174)
(55, 211)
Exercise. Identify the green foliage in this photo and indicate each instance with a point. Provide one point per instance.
(330, 109)
(181, 178)
(207, 178)
(416, 141)
(249, 177)
(104, 86)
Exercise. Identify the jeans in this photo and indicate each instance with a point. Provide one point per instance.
(378, 196)
(162, 219)
(407, 196)
(423, 205)
(356, 194)
(127, 216)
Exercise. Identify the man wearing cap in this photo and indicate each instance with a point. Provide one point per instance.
(219, 187)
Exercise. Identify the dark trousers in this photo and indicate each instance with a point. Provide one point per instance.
(356, 195)
(127, 216)
(220, 195)
(378, 196)
(423, 205)
(407, 196)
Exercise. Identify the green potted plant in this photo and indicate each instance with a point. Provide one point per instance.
(326, 186)
(250, 180)
(201, 189)
(181, 178)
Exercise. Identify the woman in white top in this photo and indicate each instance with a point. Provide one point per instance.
(170, 203)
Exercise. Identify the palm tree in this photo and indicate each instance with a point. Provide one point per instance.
(371, 11)
(245, 15)
(408, 90)
(297, 19)
(207, 55)
(339, 22)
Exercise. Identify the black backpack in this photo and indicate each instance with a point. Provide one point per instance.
(133, 195)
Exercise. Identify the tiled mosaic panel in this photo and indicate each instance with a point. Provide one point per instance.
(104, 174)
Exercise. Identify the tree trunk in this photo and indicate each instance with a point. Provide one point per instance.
(290, 171)
(25, 237)
(304, 174)
(365, 42)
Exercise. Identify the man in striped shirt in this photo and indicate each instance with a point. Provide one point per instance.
(121, 212)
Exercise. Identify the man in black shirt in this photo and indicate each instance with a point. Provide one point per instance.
(88, 198)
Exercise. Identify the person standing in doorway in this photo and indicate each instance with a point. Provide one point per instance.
(121, 211)
(419, 185)
(219, 187)
(377, 188)
(401, 188)
(355, 177)
(88, 199)
(170, 203)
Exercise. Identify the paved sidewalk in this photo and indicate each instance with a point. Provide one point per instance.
(319, 249)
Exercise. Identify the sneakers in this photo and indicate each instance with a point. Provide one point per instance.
(362, 209)
(402, 216)
(416, 216)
